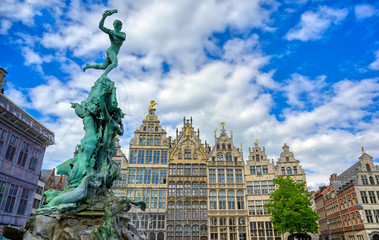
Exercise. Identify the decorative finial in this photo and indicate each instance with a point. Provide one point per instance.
(152, 104)
(125, 151)
(159, 117)
(223, 124)
(256, 141)
(215, 131)
(363, 149)
(136, 127)
(165, 128)
(187, 131)
(144, 117)
(241, 146)
(231, 132)
(116, 135)
(207, 145)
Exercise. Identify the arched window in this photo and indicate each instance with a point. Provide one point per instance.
(231, 200)
(171, 189)
(228, 157)
(179, 189)
(180, 169)
(187, 210)
(212, 200)
(195, 231)
(187, 169)
(372, 181)
(195, 210)
(283, 171)
(170, 232)
(160, 236)
(178, 231)
(195, 169)
(171, 212)
(368, 167)
(179, 210)
(203, 210)
(220, 157)
(223, 146)
(187, 232)
(152, 236)
(172, 169)
(218, 146)
(203, 189)
(289, 170)
(229, 146)
(221, 200)
(187, 189)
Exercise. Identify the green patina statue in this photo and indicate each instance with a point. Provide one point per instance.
(91, 171)
(117, 38)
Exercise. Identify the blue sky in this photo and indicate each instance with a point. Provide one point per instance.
(300, 72)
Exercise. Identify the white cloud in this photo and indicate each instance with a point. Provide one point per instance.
(364, 11)
(301, 90)
(313, 24)
(375, 65)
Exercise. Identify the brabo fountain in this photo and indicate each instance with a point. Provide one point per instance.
(87, 208)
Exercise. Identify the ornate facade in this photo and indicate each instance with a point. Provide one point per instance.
(348, 207)
(260, 173)
(227, 214)
(147, 176)
(194, 192)
(187, 184)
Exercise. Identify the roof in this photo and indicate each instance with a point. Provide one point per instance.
(349, 175)
(44, 175)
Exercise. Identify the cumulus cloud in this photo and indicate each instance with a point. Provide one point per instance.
(313, 24)
(364, 11)
(375, 65)
(232, 86)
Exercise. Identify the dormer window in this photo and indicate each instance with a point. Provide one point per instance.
(368, 167)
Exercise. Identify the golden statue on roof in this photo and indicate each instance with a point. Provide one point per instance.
(223, 124)
(152, 104)
(256, 141)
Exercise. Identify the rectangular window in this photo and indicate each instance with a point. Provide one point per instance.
(369, 216)
(150, 127)
(156, 157)
(229, 175)
(149, 157)
(11, 150)
(157, 140)
(187, 153)
(212, 175)
(265, 169)
(141, 156)
(294, 170)
(364, 197)
(139, 176)
(252, 169)
(283, 171)
(34, 160)
(3, 135)
(163, 176)
(238, 176)
(202, 170)
(11, 198)
(149, 139)
(195, 190)
(23, 153)
(257, 187)
(164, 157)
(364, 179)
(147, 176)
(187, 170)
(371, 195)
(221, 176)
(133, 156)
(142, 140)
(23, 201)
(259, 172)
(2, 190)
(249, 187)
(240, 200)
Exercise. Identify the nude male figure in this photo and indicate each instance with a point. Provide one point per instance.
(116, 37)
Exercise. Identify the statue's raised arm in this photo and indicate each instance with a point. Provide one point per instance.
(116, 37)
